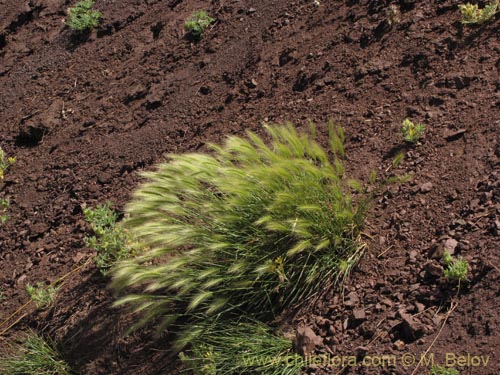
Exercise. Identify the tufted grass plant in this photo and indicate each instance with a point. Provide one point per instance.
(35, 355)
(242, 348)
(249, 230)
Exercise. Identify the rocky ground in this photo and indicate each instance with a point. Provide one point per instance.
(82, 117)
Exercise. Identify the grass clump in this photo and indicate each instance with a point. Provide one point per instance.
(242, 348)
(247, 231)
(412, 132)
(83, 17)
(41, 294)
(34, 356)
(5, 163)
(456, 269)
(111, 242)
(472, 14)
(440, 370)
(195, 26)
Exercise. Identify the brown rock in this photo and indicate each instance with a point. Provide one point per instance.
(411, 328)
(450, 245)
(426, 187)
(351, 299)
(306, 340)
(433, 270)
(358, 315)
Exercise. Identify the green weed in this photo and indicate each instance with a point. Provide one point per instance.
(412, 132)
(111, 242)
(440, 370)
(472, 14)
(41, 294)
(83, 17)
(35, 356)
(4, 206)
(249, 231)
(456, 270)
(196, 25)
(5, 163)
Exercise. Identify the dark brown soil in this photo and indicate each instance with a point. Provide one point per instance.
(84, 115)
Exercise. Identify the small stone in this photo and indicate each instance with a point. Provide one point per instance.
(251, 84)
(21, 279)
(399, 345)
(103, 178)
(361, 351)
(419, 307)
(426, 187)
(450, 245)
(306, 340)
(351, 299)
(358, 315)
(451, 136)
(39, 229)
(433, 270)
(413, 256)
(411, 328)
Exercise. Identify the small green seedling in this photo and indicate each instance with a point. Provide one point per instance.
(197, 24)
(440, 370)
(83, 17)
(456, 269)
(393, 15)
(41, 294)
(5, 163)
(412, 132)
(4, 206)
(110, 241)
(472, 14)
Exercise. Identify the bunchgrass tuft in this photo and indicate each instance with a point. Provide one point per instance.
(241, 348)
(35, 356)
(250, 230)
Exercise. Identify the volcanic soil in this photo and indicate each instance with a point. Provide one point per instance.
(84, 115)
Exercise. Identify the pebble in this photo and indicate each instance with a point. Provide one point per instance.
(426, 187)
(450, 245)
